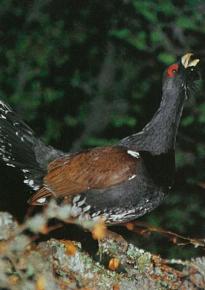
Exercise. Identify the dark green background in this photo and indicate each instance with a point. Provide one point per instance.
(87, 73)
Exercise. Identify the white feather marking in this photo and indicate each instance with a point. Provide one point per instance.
(4, 105)
(133, 153)
(11, 165)
(119, 214)
(41, 200)
(80, 203)
(6, 159)
(76, 198)
(131, 177)
(30, 182)
(87, 208)
(97, 213)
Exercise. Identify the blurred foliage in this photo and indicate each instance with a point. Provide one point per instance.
(87, 73)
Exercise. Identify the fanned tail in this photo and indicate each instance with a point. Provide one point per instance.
(20, 148)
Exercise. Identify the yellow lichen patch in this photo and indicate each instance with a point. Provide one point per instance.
(114, 264)
(44, 230)
(13, 279)
(130, 226)
(40, 283)
(3, 247)
(70, 247)
(99, 231)
(116, 287)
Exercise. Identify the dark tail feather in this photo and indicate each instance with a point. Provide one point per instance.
(20, 148)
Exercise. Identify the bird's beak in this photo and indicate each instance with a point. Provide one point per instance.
(188, 60)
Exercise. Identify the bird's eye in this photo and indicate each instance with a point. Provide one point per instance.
(172, 70)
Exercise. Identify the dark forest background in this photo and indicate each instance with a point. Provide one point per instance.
(88, 73)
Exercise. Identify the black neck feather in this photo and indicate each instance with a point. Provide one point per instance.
(159, 135)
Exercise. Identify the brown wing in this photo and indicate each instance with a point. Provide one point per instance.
(92, 169)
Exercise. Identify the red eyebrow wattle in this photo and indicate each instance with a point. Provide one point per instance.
(171, 69)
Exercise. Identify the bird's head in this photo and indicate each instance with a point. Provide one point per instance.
(180, 77)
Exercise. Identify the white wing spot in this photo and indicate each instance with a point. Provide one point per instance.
(131, 177)
(133, 153)
(41, 200)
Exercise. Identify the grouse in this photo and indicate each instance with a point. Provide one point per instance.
(118, 183)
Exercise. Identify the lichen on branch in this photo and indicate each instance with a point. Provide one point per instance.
(63, 264)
